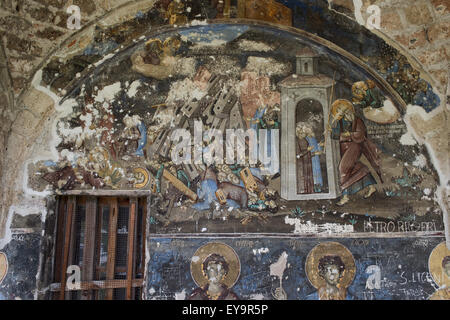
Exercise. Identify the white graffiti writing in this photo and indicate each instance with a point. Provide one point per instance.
(74, 21)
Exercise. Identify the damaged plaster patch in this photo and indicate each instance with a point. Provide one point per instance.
(256, 296)
(267, 66)
(277, 269)
(133, 89)
(408, 139)
(421, 161)
(311, 228)
(225, 66)
(196, 22)
(212, 36)
(63, 110)
(108, 93)
(186, 67)
(248, 45)
(180, 295)
(33, 201)
(184, 90)
(201, 41)
(429, 124)
(426, 129)
(388, 113)
(107, 57)
(260, 251)
(52, 137)
(28, 207)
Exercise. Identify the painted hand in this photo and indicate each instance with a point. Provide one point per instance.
(346, 134)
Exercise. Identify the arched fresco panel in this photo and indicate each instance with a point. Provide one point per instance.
(125, 112)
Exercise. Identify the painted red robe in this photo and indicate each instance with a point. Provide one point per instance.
(350, 168)
(305, 180)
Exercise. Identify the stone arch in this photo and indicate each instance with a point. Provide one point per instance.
(313, 113)
(305, 111)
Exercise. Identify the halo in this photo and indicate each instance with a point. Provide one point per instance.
(3, 266)
(225, 251)
(435, 264)
(103, 151)
(341, 102)
(145, 173)
(167, 41)
(155, 40)
(330, 248)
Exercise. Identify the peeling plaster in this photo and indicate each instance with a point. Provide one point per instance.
(443, 190)
(180, 295)
(28, 207)
(312, 228)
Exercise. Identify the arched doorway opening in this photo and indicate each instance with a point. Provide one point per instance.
(311, 164)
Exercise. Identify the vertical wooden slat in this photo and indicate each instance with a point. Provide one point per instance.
(112, 232)
(144, 234)
(59, 243)
(98, 243)
(226, 9)
(144, 226)
(68, 230)
(131, 251)
(87, 273)
(74, 249)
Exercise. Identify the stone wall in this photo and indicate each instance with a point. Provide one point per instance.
(420, 27)
(31, 30)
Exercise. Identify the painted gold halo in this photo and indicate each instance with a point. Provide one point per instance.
(3, 266)
(228, 253)
(333, 249)
(435, 264)
(99, 150)
(160, 44)
(146, 175)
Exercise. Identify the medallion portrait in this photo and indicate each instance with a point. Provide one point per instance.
(330, 268)
(439, 265)
(215, 268)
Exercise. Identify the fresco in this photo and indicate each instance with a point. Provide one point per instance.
(16, 281)
(215, 268)
(350, 166)
(302, 269)
(330, 268)
(273, 149)
(439, 266)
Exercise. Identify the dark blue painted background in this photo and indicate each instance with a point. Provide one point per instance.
(23, 260)
(403, 263)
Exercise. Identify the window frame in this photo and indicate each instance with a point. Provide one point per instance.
(66, 235)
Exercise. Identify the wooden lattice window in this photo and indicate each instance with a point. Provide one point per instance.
(105, 238)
